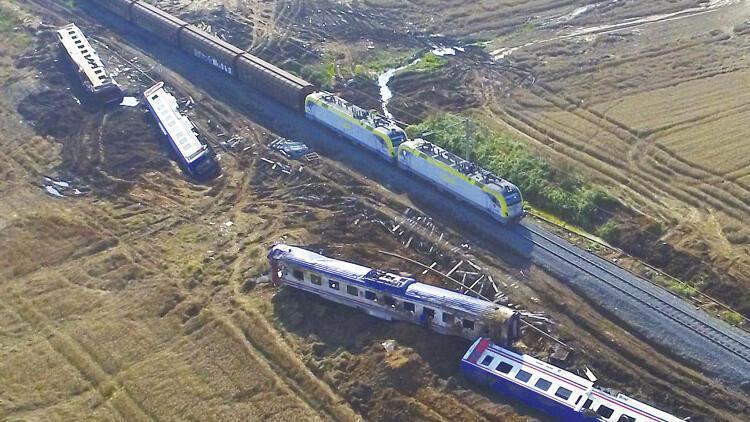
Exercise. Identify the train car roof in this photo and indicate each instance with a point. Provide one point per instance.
(450, 299)
(461, 165)
(85, 57)
(375, 279)
(177, 126)
(365, 116)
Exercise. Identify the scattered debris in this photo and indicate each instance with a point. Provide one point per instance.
(129, 102)
(291, 149)
(389, 345)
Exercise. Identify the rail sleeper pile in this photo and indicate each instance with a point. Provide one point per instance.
(259, 74)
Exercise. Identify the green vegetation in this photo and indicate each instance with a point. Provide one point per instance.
(321, 74)
(675, 285)
(8, 19)
(608, 231)
(731, 317)
(430, 62)
(562, 194)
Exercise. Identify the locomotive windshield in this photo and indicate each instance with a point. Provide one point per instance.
(512, 196)
(398, 136)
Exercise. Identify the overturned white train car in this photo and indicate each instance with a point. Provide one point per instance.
(89, 66)
(393, 297)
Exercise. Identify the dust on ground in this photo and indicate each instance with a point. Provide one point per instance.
(141, 300)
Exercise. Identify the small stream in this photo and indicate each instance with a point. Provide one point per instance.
(385, 78)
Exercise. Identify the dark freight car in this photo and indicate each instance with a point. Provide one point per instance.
(259, 74)
(119, 7)
(209, 48)
(274, 82)
(157, 21)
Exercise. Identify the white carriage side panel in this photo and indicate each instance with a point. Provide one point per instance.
(347, 126)
(84, 56)
(447, 180)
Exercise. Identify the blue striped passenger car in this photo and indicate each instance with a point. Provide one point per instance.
(392, 297)
(561, 394)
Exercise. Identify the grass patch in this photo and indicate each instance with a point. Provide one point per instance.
(321, 74)
(564, 195)
(675, 285)
(430, 62)
(731, 317)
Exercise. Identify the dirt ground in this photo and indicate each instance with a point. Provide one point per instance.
(140, 295)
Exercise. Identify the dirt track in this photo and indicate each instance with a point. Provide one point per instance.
(138, 301)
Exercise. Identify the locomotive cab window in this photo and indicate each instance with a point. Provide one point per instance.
(428, 313)
(315, 279)
(604, 411)
(448, 318)
(298, 274)
(333, 284)
(389, 301)
(468, 324)
(409, 307)
(504, 367)
(626, 418)
(371, 296)
(352, 290)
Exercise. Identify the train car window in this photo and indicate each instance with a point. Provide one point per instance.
(564, 393)
(468, 324)
(448, 318)
(587, 404)
(333, 284)
(487, 360)
(504, 367)
(626, 418)
(389, 301)
(428, 313)
(371, 296)
(542, 384)
(409, 307)
(523, 375)
(604, 411)
(352, 290)
(315, 279)
(298, 274)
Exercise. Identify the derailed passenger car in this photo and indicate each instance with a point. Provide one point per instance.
(392, 297)
(195, 157)
(563, 395)
(89, 66)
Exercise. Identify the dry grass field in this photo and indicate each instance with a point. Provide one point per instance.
(140, 298)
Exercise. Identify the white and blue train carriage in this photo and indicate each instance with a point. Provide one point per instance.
(392, 297)
(561, 394)
(195, 156)
(463, 179)
(366, 128)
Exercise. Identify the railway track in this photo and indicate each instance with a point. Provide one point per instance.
(643, 292)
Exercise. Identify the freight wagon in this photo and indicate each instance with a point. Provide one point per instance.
(256, 73)
(392, 297)
(90, 68)
(195, 157)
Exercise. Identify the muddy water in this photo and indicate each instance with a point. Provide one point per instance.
(385, 78)
(711, 6)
